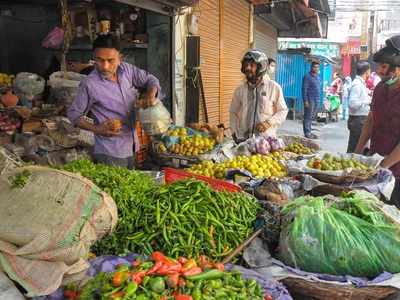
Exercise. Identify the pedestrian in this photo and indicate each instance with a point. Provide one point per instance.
(258, 106)
(345, 97)
(382, 127)
(311, 98)
(336, 85)
(359, 104)
(109, 94)
(271, 69)
(372, 82)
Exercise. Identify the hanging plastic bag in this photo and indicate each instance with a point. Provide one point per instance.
(28, 85)
(155, 119)
(54, 39)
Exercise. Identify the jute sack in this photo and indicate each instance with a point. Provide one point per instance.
(48, 225)
(7, 162)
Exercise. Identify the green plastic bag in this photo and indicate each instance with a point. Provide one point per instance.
(334, 102)
(346, 236)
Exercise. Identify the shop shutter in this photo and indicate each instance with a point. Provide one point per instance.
(266, 38)
(209, 57)
(235, 27)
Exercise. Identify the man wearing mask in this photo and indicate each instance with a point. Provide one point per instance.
(382, 127)
(359, 102)
(258, 106)
(311, 97)
(109, 94)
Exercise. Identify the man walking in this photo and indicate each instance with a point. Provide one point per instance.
(311, 98)
(359, 102)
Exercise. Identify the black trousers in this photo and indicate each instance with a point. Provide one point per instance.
(355, 125)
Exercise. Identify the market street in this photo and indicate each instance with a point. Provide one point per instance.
(191, 150)
(333, 136)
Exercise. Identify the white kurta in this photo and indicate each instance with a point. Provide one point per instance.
(271, 108)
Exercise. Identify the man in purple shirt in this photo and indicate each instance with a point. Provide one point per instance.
(109, 93)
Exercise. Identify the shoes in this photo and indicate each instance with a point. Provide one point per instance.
(312, 136)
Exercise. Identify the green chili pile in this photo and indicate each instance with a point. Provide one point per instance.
(128, 189)
(186, 218)
(189, 218)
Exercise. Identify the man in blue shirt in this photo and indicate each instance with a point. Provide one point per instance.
(311, 98)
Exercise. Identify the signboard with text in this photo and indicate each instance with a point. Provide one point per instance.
(352, 47)
(330, 50)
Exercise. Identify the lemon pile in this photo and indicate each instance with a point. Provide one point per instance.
(189, 145)
(193, 145)
(6, 80)
(261, 166)
(299, 148)
(177, 132)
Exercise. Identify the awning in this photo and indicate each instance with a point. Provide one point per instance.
(167, 7)
(320, 6)
(178, 3)
(295, 19)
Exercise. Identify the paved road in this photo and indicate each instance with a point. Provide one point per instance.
(332, 136)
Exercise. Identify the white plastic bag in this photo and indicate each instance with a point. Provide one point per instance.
(155, 119)
(64, 89)
(28, 85)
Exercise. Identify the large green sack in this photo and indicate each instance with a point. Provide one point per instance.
(345, 236)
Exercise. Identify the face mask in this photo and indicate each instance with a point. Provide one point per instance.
(392, 80)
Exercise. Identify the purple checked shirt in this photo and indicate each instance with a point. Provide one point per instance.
(106, 100)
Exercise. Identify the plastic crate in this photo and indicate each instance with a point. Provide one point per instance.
(172, 175)
(144, 140)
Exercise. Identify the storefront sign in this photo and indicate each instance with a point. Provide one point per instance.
(352, 47)
(330, 50)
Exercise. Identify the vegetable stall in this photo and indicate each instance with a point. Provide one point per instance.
(248, 201)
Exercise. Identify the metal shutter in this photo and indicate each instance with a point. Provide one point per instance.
(209, 57)
(266, 38)
(235, 41)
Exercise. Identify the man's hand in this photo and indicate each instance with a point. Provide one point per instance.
(108, 128)
(359, 150)
(306, 104)
(262, 127)
(384, 163)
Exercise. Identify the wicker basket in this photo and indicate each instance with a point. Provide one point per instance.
(350, 178)
(331, 291)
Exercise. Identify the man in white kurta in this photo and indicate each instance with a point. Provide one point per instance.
(258, 106)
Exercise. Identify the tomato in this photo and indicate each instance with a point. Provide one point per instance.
(183, 297)
(219, 266)
(267, 297)
(119, 278)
